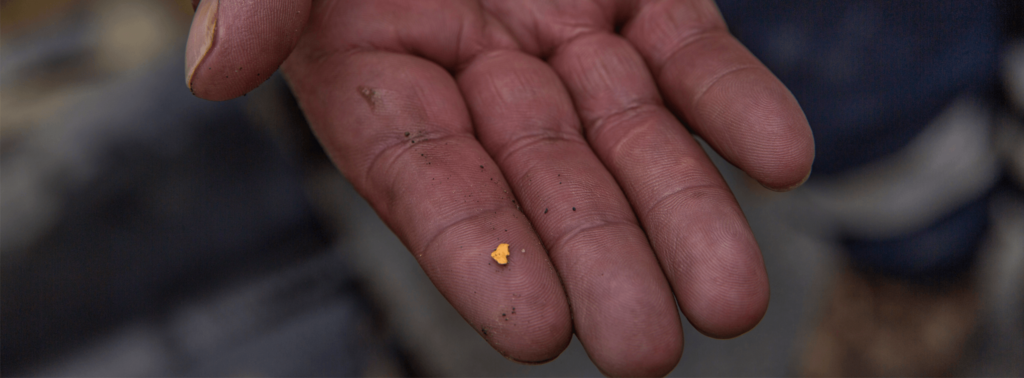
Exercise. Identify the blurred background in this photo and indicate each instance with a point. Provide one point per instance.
(145, 232)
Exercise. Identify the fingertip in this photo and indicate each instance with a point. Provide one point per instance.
(537, 345)
(738, 322)
(785, 188)
(234, 47)
(642, 338)
(769, 138)
(655, 360)
(731, 310)
(791, 153)
(628, 322)
(791, 169)
(722, 285)
(534, 328)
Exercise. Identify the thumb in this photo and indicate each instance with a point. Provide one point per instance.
(234, 46)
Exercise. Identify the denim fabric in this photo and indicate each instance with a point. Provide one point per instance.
(870, 74)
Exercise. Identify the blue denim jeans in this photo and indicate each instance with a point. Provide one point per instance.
(870, 76)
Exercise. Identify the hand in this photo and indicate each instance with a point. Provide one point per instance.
(550, 126)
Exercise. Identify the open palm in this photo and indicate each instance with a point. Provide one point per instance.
(555, 127)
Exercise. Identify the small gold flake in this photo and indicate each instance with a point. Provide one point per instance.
(500, 254)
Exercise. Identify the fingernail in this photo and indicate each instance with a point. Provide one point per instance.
(801, 182)
(200, 37)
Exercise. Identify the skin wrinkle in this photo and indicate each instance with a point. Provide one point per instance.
(599, 272)
(657, 66)
(531, 48)
(447, 228)
(541, 122)
(725, 142)
(581, 33)
(407, 43)
(457, 231)
(523, 142)
(528, 172)
(450, 206)
(589, 82)
(651, 97)
(572, 186)
(594, 118)
(461, 33)
(421, 109)
(491, 30)
(676, 43)
(393, 106)
(584, 228)
(511, 88)
(391, 154)
(320, 56)
(403, 106)
(472, 35)
(517, 88)
(622, 145)
(594, 217)
(623, 118)
(640, 187)
(483, 37)
(697, 191)
(397, 201)
(699, 95)
(531, 171)
(556, 31)
(492, 39)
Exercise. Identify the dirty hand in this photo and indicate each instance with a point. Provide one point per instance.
(554, 127)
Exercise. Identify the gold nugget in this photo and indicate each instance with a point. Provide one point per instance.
(500, 254)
